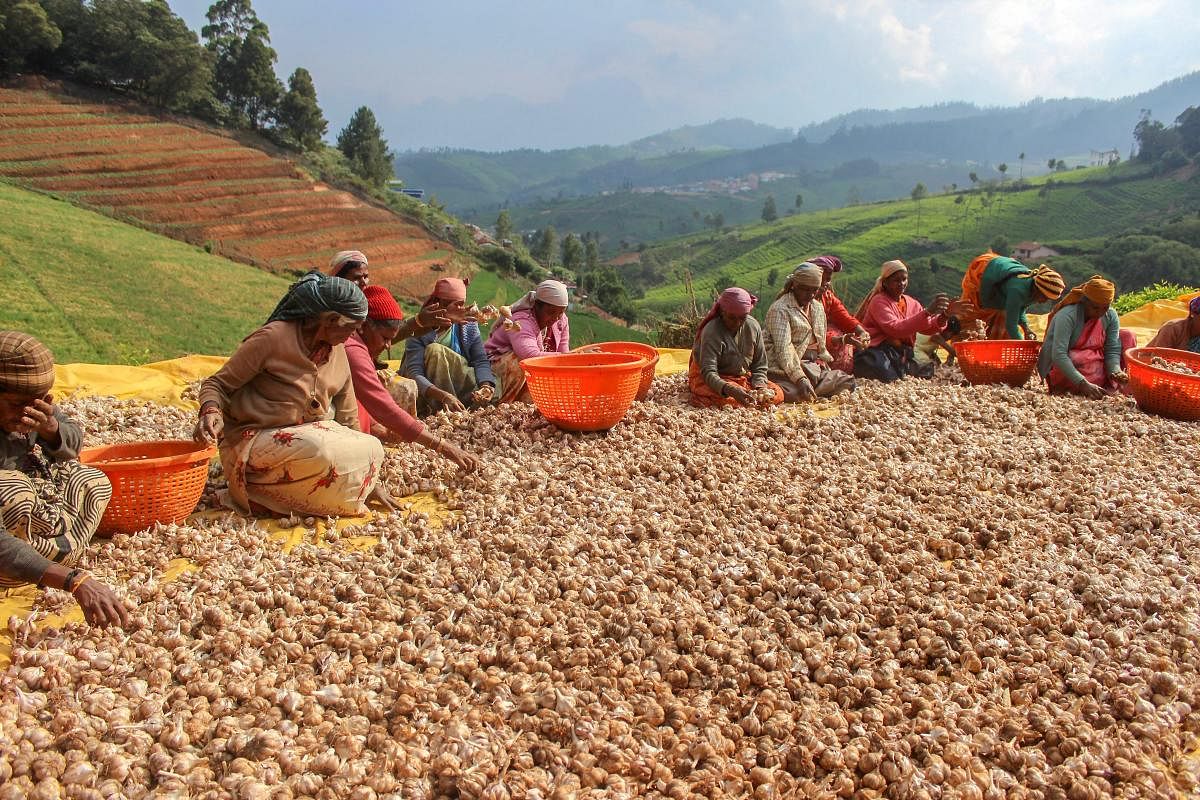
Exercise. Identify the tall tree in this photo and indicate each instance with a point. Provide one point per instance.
(918, 194)
(799, 202)
(244, 73)
(769, 212)
(1021, 158)
(572, 252)
(504, 228)
(1003, 172)
(591, 254)
(545, 246)
(25, 29)
(1188, 124)
(362, 142)
(300, 117)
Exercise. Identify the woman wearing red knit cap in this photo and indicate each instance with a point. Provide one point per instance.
(376, 406)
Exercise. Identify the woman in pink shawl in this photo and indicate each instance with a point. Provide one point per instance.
(893, 319)
(729, 358)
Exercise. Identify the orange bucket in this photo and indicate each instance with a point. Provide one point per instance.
(1010, 361)
(633, 349)
(152, 481)
(1161, 391)
(584, 391)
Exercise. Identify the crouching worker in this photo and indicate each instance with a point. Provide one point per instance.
(997, 291)
(283, 410)
(797, 355)
(378, 412)
(1084, 351)
(50, 504)
(448, 363)
(728, 366)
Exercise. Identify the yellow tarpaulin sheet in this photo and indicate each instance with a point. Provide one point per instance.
(671, 361)
(162, 382)
(1143, 321)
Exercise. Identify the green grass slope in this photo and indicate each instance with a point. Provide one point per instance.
(1075, 214)
(97, 290)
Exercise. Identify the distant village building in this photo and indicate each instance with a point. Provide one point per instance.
(1033, 251)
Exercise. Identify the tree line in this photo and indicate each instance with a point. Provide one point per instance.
(226, 75)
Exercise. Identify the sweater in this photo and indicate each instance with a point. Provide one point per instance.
(466, 341)
(1000, 289)
(374, 397)
(1062, 334)
(722, 352)
(526, 342)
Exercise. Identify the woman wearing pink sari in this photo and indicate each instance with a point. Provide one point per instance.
(1084, 351)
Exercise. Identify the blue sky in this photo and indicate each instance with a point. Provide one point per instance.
(494, 75)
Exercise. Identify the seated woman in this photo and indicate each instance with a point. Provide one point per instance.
(542, 315)
(797, 358)
(1084, 351)
(844, 333)
(50, 504)
(893, 319)
(728, 366)
(1181, 334)
(350, 265)
(378, 412)
(284, 413)
(449, 364)
(998, 290)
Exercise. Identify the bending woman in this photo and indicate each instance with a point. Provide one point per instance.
(542, 315)
(50, 504)
(728, 366)
(797, 357)
(378, 412)
(998, 290)
(893, 319)
(1084, 352)
(284, 413)
(448, 363)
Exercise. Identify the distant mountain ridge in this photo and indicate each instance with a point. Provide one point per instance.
(954, 131)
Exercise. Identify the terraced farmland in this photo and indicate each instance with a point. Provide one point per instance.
(205, 188)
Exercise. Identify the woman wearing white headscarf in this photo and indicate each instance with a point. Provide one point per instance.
(542, 315)
(893, 319)
(797, 355)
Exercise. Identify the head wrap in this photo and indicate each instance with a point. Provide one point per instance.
(1194, 306)
(827, 263)
(732, 301)
(341, 259)
(806, 276)
(551, 292)
(452, 289)
(381, 305)
(887, 270)
(1097, 289)
(316, 294)
(1048, 282)
(26, 365)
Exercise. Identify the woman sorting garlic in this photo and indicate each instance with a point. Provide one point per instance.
(728, 366)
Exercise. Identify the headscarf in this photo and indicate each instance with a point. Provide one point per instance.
(452, 289)
(26, 365)
(1048, 283)
(732, 301)
(551, 292)
(341, 259)
(807, 276)
(381, 305)
(1194, 306)
(886, 271)
(827, 263)
(315, 294)
(1097, 289)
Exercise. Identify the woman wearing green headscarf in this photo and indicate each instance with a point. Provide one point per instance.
(283, 411)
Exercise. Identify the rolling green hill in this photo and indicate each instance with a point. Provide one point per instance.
(100, 291)
(1075, 215)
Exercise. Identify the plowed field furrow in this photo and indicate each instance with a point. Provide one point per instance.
(309, 238)
(198, 174)
(68, 119)
(384, 252)
(263, 226)
(197, 193)
(131, 163)
(279, 206)
(60, 133)
(110, 147)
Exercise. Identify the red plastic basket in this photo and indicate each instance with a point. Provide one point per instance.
(632, 349)
(152, 481)
(1010, 361)
(1160, 391)
(584, 391)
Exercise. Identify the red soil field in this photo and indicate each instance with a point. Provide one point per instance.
(204, 186)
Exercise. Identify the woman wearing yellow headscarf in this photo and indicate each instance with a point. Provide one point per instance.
(1084, 351)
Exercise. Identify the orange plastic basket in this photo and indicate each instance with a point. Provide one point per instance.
(584, 391)
(632, 349)
(152, 481)
(1010, 361)
(1160, 391)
